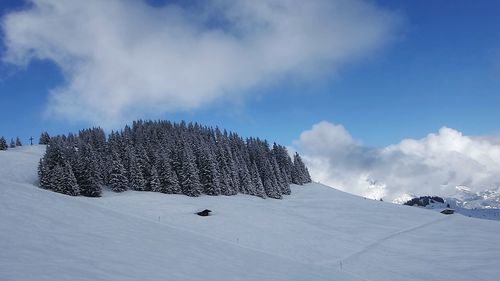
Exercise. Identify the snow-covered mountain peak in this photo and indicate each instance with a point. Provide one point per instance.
(486, 199)
(463, 188)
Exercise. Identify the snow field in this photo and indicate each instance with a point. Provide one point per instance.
(317, 233)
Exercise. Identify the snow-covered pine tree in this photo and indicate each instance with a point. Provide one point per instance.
(168, 178)
(96, 164)
(85, 173)
(99, 147)
(85, 179)
(284, 161)
(224, 180)
(258, 187)
(209, 175)
(270, 184)
(307, 176)
(175, 157)
(189, 179)
(225, 175)
(18, 142)
(246, 184)
(57, 177)
(12, 143)
(281, 180)
(143, 163)
(296, 176)
(3, 143)
(286, 188)
(230, 166)
(276, 188)
(50, 169)
(69, 184)
(300, 173)
(235, 179)
(136, 178)
(154, 183)
(266, 171)
(44, 175)
(118, 179)
(108, 165)
(189, 159)
(121, 143)
(44, 138)
(87, 183)
(302, 168)
(50, 177)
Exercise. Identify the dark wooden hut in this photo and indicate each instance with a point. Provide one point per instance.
(204, 213)
(448, 211)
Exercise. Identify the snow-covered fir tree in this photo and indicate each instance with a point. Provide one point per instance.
(44, 175)
(257, 187)
(68, 183)
(118, 180)
(86, 176)
(300, 173)
(56, 180)
(168, 178)
(44, 138)
(136, 178)
(3, 143)
(209, 175)
(18, 142)
(175, 158)
(154, 183)
(189, 174)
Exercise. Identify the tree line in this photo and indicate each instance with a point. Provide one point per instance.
(174, 158)
(13, 143)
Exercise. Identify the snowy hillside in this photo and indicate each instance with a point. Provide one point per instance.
(317, 233)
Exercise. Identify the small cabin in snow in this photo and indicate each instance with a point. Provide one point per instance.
(204, 213)
(448, 211)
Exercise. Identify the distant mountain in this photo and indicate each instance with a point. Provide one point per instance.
(483, 205)
(466, 198)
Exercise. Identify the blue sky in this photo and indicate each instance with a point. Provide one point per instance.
(442, 68)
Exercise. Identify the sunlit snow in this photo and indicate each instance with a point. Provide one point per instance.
(317, 233)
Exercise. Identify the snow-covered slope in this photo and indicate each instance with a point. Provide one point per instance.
(317, 233)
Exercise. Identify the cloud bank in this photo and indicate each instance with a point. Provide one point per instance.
(123, 58)
(434, 165)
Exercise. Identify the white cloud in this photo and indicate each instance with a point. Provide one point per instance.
(433, 165)
(122, 58)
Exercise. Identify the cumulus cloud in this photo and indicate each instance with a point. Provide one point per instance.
(434, 165)
(122, 58)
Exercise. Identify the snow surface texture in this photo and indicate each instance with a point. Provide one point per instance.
(317, 233)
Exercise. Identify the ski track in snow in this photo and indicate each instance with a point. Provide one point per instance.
(344, 261)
